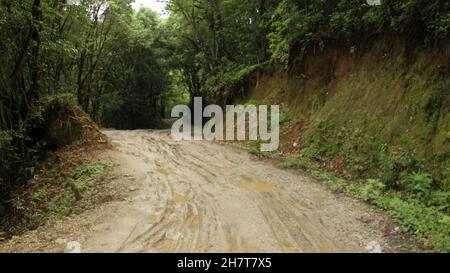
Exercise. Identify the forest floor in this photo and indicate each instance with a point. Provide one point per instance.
(207, 197)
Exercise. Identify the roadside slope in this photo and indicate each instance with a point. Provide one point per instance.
(374, 113)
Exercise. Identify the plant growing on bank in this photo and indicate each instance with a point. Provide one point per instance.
(51, 201)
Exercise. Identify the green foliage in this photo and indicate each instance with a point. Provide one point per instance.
(293, 162)
(285, 115)
(40, 192)
(397, 169)
(50, 124)
(86, 174)
(306, 24)
(254, 147)
(372, 189)
(365, 154)
(229, 78)
(420, 185)
(218, 44)
(427, 224)
(99, 54)
(137, 90)
(54, 207)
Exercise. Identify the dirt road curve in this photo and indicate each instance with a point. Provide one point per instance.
(205, 197)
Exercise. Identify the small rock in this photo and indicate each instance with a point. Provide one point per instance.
(394, 231)
(373, 247)
(173, 235)
(73, 247)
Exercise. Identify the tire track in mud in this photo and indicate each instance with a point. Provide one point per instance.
(205, 197)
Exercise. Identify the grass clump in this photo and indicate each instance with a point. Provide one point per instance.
(51, 203)
(76, 185)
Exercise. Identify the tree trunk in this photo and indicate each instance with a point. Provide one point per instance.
(36, 13)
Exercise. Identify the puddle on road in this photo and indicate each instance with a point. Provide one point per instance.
(163, 171)
(289, 249)
(153, 218)
(258, 186)
(195, 222)
(178, 198)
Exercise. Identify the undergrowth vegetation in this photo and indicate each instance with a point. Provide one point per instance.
(54, 195)
(401, 168)
(74, 187)
(51, 124)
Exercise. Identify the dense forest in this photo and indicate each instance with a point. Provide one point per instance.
(127, 68)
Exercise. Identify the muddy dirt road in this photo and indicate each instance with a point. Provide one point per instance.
(205, 197)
